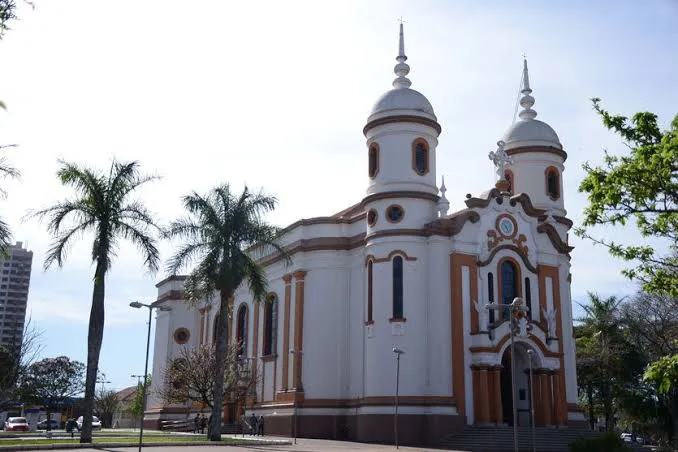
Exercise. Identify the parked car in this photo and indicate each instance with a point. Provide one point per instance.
(16, 424)
(53, 424)
(96, 423)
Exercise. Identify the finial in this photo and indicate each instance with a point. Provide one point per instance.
(443, 204)
(401, 69)
(527, 101)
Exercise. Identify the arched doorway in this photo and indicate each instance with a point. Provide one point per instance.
(522, 384)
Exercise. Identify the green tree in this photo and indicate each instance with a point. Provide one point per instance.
(640, 186)
(103, 207)
(51, 382)
(137, 405)
(106, 403)
(15, 357)
(6, 171)
(218, 232)
(663, 373)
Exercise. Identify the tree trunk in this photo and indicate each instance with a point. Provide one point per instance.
(221, 352)
(589, 397)
(94, 338)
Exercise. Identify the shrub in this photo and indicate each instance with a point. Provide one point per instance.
(607, 442)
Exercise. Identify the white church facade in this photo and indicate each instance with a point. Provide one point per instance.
(397, 270)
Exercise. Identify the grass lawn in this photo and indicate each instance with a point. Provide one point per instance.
(104, 440)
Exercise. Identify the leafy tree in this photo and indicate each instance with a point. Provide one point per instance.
(218, 231)
(137, 406)
(640, 186)
(103, 207)
(609, 366)
(190, 376)
(15, 357)
(106, 403)
(6, 171)
(7, 14)
(52, 382)
(663, 373)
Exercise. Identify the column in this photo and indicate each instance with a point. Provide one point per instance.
(546, 397)
(201, 339)
(255, 338)
(298, 327)
(286, 333)
(558, 417)
(536, 382)
(496, 413)
(484, 395)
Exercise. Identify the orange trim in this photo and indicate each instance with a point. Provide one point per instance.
(298, 327)
(400, 320)
(373, 149)
(241, 336)
(255, 336)
(427, 156)
(499, 345)
(546, 397)
(500, 283)
(391, 255)
(286, 333)
(202, 326)
(496, 410)
(508, 175)
(457, 261)
(552, 170)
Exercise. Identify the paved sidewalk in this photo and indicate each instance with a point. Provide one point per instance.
(303, 445)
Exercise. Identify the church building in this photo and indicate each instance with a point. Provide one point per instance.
(397, 289)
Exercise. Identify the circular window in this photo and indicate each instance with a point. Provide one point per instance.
(181, 336)
(395, 213)
(372, 217)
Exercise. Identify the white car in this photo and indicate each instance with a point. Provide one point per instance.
(96, 423)
(16, 424)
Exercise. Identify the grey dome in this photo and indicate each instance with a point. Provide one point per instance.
(531, 132)
(400, 101)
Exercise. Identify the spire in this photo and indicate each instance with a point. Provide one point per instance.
(443, 204)
(527, 101)
(401, 69)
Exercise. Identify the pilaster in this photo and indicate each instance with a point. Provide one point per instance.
(286, 332)
(299, 277)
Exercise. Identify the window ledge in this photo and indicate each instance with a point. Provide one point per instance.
(399, 320)
(369, 322)
(267, 358)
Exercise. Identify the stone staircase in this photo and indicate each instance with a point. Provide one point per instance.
(500, 439)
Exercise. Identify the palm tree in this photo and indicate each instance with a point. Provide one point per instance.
(219, 231)
(103, 207)
(6, 171)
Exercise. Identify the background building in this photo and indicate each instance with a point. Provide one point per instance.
(16, 278)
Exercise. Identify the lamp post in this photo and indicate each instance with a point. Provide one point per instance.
(397, 352)
(138, 377)
(515, 308)
(296, 354)
(138, 305)
(534, 443)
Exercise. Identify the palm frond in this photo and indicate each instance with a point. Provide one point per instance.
(80, 210)
(144, 243)
(5, 238)
(256, 280)
(59, 249)
(186, 255)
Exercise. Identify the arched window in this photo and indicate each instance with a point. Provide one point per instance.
(420, 156)
(490, 294)
(528, 297)
(552, 183)
(241, 329)
(370, 290)
(397, 288)
(373, 160)
(508, 285)
(214, 329)
(270, 326)
(508, 175)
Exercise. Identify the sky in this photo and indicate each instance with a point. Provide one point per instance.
(275, 95)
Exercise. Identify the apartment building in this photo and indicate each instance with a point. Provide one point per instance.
(14, 282)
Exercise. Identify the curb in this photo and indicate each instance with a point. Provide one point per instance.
(98, 445)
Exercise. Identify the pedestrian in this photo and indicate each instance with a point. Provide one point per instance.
(260, 425)
(207, 423)
(197, 423)
(203, 424)
(253, 424)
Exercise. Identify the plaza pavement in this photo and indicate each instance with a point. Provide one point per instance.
(303, 445)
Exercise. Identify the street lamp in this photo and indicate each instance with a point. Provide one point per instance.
(138, 377)
(138, 305)
(517, 307)
(534, 444)
(397, 352)
(295, 353)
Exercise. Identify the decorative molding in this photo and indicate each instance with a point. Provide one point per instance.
(398, 194)
(427, 156)
(523, 257)
(390, 208)
(402, 118)
(182, 336)
(391, 255)
(453, 224)
(552, 233)
(549, 150)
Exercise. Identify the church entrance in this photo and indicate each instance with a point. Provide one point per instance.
(506, 388)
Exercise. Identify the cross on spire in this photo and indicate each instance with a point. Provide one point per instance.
(500, 159)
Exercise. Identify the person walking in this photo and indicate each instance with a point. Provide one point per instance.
(196, 423)
(253, 424)
(260, 425)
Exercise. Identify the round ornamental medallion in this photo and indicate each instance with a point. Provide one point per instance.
(506, 226)
(181, 336)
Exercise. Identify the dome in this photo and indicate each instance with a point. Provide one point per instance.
(531, 132)
(400, 101)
